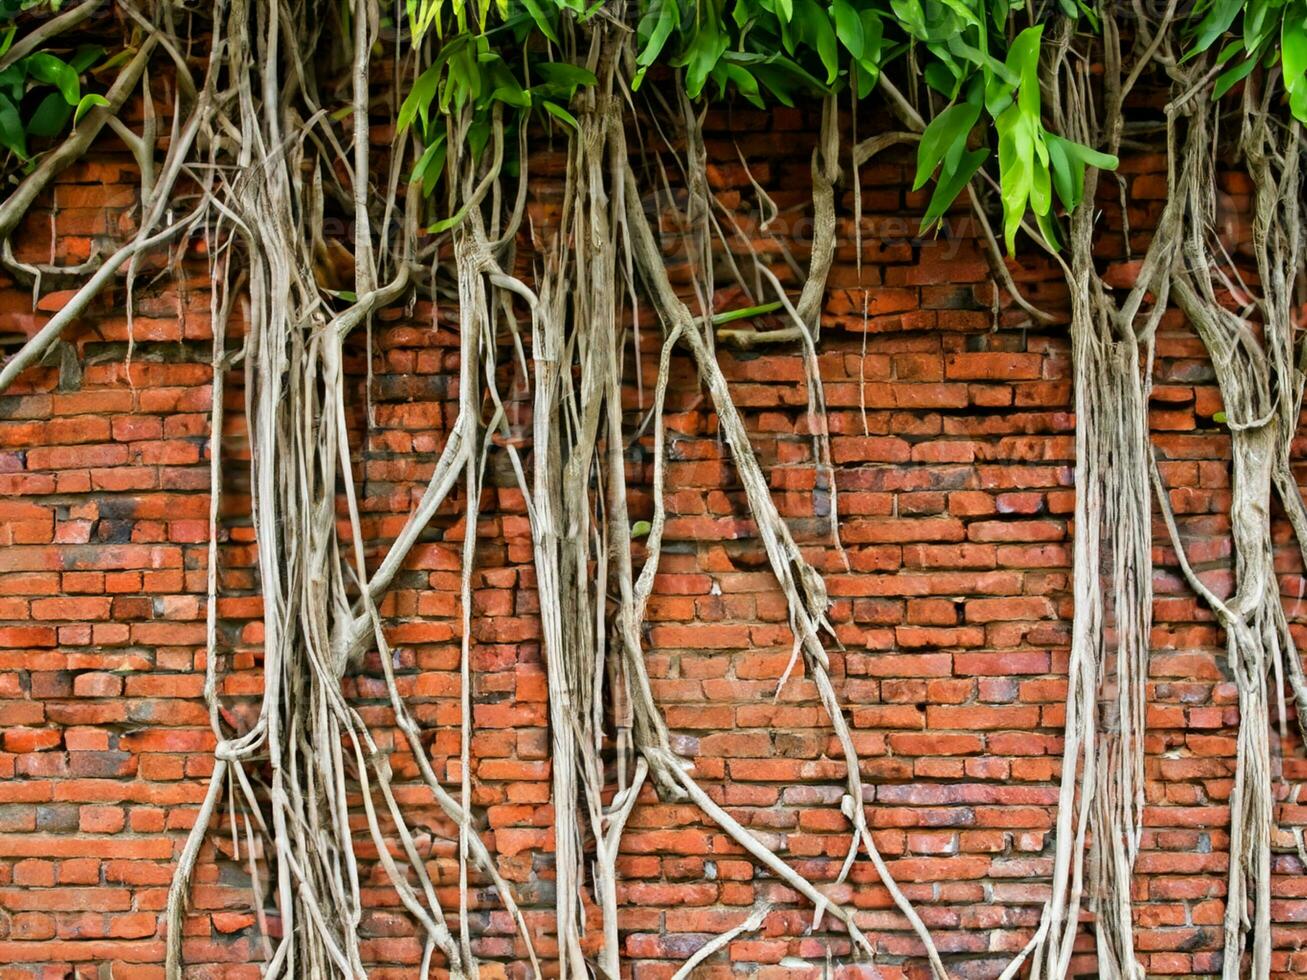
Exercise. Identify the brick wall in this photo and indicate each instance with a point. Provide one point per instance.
(953, 445)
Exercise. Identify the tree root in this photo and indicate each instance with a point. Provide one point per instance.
(255, 140)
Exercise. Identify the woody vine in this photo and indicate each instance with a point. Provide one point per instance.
(1018, 113)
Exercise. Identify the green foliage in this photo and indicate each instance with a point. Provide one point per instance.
(1255, 32)
(745, 313)
(9, 9)
(41, 93)
(771, 51)
(979, 59)
(994, 82)
(467, 71)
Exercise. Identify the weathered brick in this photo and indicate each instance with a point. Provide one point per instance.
(952, 439)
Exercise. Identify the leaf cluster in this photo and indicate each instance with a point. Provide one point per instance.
(1248, 33)
(41, 92)
(978, 63)
(774, 52)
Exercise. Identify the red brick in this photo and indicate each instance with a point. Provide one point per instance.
(951, 615)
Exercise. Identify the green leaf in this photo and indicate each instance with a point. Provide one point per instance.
(478, 135)
(45, 67)
(465, 66)
(782, 76)
(558, 112)
(541, 19)
(963, 10)
(1220, 15)
(509, 92)
(872, 35)
(429, 166)
(1230, 50)
(848, 27)
(444, 224)
(1068, 160)
(418, 100)
(744, 82)
(85, 57)
(911, 17)
(640, 529)
(999, 94)
(423, 14)
(812, 29)
(817, 30)
(1293, 55)
(1023, 61)
(1231, 77)
(89, 101)
(948, 128)
(730, 316)
(1023, 156)
(778, 83)
(567, 78)
(1220, 417)
(667, 16)
(50, 117)
(1258, 22)
(967, 55)
(941, 78)
(701, 56)
(1016, 152)
(1041, 190)
(1048, 225)
(951, 184)
(1092, 157)
(118, 58)
(865, 75)
(1068, 177)
(12, 136)
(1089, 12)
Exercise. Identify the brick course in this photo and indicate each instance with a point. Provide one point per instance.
(952, 440)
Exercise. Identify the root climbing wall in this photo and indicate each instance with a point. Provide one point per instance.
(952, 442)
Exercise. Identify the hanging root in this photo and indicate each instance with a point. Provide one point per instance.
(259, 160)
(1101, 797)
(1261, 388)
(801, 584)
(324, 763)
(308, 761)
